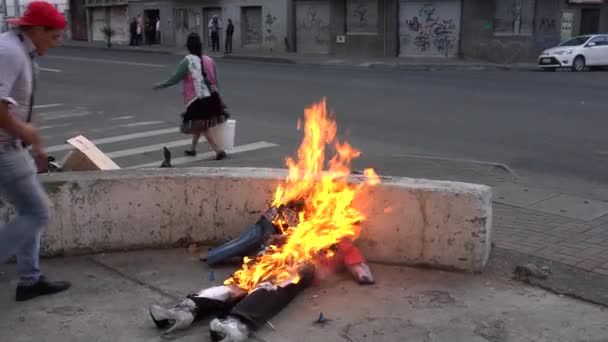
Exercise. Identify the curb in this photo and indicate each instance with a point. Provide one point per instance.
(497, 165)
(120, 49)
(285, 60)
(279, 60)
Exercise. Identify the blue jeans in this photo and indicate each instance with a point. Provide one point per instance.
(21, 237)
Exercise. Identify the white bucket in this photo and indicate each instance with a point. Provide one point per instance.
(224, 135)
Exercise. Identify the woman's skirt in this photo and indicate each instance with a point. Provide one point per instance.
(203, 114)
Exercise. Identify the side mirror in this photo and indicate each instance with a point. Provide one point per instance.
(591, 44)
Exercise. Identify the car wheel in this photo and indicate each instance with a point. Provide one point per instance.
(579, 64)
(549, 69)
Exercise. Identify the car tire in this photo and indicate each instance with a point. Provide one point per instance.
(579, 64)
(549, 69)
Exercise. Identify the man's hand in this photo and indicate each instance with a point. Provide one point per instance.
(30, 135)
(41, 159)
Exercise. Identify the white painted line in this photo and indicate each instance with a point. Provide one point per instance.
(127, 117)
(150, 148)
(49, 117)
(49, 70)
(42, 128)
(107, 61)
(52, 105)
(208, 155)
(109, 140)
(142, 123)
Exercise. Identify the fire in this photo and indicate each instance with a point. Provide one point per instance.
(326, 217)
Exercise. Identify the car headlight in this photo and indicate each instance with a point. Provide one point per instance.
(569, 52)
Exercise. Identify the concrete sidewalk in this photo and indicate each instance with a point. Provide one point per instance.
(412, 64)
(548, 221)
(111, 294)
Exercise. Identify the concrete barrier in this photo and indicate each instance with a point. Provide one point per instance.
(409, 221)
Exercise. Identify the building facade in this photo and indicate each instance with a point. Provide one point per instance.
(259, 24)
(502, 31)
(511, 31)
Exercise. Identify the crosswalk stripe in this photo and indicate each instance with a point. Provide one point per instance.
(51, 105)
(142, 123)
(204, 156)
(49, 117)
(126, 117)
(150, 148)
(42, 128)
(118, 138)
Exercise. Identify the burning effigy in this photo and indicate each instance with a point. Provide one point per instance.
(307, 233)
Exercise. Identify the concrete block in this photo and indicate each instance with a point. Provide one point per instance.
(408, 221)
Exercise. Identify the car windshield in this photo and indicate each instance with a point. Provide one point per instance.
(575, 41)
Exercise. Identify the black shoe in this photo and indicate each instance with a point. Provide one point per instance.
(41, 288)
(190, 153)
(221, 155)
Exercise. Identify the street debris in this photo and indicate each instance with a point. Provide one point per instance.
(166, 158)
(84, 156)
(527, 271)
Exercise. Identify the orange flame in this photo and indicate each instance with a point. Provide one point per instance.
(327, 216)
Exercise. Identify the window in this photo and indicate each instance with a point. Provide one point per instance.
(599, 41)
(514, 18)
(576, 41)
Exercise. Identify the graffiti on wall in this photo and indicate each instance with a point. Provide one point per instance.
(313, 27)
(428, 30)
(362, 16)
(270, 39)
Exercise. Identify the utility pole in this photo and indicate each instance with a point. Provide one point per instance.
(4, 15)
(17, 9)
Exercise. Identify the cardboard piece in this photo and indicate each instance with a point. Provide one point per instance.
(86, 157)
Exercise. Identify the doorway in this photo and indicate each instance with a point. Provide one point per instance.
(590, 21)
(151, 20)
(208, 14)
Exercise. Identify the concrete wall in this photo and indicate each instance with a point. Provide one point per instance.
(440, 224)
(369, 27)
(480, 41)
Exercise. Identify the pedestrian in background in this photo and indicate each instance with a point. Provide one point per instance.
(39, 30)
(133, 32)
(215, 34)
(139, 30)
(204, 107)
(229, 34)
(157, 30)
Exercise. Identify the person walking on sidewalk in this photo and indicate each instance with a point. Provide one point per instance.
(204, 107)
(229, 34)
(133, 32)
(39, 30)
(215, 34)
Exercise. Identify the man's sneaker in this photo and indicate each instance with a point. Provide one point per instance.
(41, 288)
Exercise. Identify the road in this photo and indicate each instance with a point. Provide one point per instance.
(548, 127)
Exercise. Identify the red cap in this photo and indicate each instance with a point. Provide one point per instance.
(41, 13)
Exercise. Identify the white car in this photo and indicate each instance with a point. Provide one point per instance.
(576, 53)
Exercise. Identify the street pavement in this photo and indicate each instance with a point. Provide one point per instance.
(112, 292)
(538, 138)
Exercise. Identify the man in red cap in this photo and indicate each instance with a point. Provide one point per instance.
(37, 31)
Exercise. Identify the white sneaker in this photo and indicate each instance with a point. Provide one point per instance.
(180, 317)
(230, 329)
